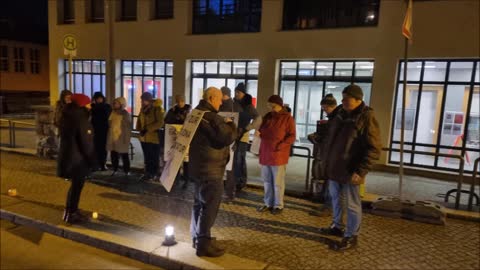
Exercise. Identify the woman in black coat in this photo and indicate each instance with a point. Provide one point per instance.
(76, 156)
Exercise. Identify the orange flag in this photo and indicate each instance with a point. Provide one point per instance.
(407, 22)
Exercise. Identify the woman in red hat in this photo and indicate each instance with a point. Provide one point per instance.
(278, 133)
(76, 157)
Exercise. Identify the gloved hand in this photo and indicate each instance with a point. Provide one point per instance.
(143, 132)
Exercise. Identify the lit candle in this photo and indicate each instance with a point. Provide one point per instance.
(12, 192)
(95, 215)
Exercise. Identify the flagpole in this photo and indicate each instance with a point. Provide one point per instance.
(402, 131)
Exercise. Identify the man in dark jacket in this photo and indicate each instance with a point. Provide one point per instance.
(76, 156)
(329, 106)
(229, 106)
(353, 144)
(208, 157)
(100, 113)
(248, 119)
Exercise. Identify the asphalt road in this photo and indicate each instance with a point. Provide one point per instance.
(27, 248)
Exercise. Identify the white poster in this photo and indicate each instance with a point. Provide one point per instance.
(176, 152)
(171, 132)
(234, 117)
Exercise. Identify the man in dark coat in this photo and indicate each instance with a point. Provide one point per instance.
(208, 157)
(318, 139)
(248, 119)
(100, 113)
(76, 156)
(352, 145)
(229, 106)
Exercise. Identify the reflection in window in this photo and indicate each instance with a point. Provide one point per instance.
(305, 83)
(227, 16)
(146, 76)
(442, 113)
(223, 73)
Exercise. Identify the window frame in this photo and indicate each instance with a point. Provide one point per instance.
(93, 8)
(68, 20)
(123, 13)
(19, 59)
(4, 59)
(163, 11)
(410, 160)
(35, 60)
(336, 14)
(320, 78)
(91, 73)
(154, 76)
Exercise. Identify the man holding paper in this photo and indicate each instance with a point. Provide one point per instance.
(209, 154)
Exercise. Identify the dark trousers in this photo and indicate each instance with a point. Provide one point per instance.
(240, 164)
(207, 199)
(151, 158)
(73, 196)
(115, 161)
(100, 143)
(230, 184)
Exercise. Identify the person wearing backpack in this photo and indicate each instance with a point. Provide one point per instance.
(149, 122)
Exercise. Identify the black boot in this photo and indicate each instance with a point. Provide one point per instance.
(206, 248)
(74, 217)
(332, 230)
(345, 244)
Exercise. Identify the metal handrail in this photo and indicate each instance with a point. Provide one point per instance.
(472, 184)
(458, 190)
(308, 156)
(12, 128)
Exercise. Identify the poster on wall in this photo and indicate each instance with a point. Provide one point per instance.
(178, 150)
(234, 117)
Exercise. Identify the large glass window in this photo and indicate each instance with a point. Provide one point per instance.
(4, 58)
(303, 84)
(308, 14)
(223, 73)
(441, 114)
(88, 76)
(226, 16)
(146, 76)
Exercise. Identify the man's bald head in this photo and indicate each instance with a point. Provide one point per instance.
(213, 96)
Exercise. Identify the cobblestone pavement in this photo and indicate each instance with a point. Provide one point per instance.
(290, 240)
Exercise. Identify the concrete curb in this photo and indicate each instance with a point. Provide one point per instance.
(133, 253)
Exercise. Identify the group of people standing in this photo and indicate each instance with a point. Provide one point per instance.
(346, 145)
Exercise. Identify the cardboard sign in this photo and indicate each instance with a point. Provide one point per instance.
(234, 117)
(176, 153)
(171, 132)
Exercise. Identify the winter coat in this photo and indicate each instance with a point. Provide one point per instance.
(120, 129)
(318, 139)
(230, 106)
(248, 114)
(149, 122)
(76, 156)
(100, 114)
(177, 115)
(278, 133)
(209, 150)
(57, 117)
(352, 145)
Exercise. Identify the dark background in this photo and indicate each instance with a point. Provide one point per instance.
(24, 20)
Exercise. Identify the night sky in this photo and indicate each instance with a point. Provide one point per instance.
(24, 20)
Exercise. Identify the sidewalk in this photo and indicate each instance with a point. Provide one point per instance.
(133, 216)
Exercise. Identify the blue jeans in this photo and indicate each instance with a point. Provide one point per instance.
(274, 184)
(353, 206)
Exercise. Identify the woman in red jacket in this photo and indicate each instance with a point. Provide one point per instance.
(278, 134)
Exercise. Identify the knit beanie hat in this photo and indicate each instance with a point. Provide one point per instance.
(146, 96)
(98, 95)
(354, 91)
(276, 99)
(81, 99)
(241, 87)
(122, 101)
(226, 91)
(329, 100)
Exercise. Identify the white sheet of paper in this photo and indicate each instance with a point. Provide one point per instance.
(233, 115)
